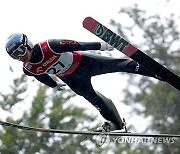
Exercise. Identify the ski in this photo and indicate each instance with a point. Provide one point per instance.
(131, 51)
(72, 132)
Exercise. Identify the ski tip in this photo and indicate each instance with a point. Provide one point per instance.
(90, 24)
(86, 21)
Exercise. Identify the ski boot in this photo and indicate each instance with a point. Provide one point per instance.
(108, 126)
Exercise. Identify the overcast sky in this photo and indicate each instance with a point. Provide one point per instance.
(43, 19)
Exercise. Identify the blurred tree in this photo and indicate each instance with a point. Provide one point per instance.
(48, 110)
(160, 101)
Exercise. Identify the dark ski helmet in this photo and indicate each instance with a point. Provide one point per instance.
(17, 45)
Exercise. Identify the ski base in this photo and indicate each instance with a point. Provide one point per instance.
(131, 51)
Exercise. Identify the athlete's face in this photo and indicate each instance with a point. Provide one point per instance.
(26, 57)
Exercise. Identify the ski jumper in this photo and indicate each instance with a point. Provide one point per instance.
(63, 59)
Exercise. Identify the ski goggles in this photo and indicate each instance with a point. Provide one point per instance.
(19, 52)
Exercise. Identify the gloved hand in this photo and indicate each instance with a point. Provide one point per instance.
(106, 46)
(59, 87)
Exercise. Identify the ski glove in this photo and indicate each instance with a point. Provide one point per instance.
(59, 87)
(106, 46)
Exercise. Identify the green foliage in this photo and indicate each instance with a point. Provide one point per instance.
(48, 110)
(17, 88)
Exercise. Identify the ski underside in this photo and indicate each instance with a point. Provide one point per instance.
(131, 51)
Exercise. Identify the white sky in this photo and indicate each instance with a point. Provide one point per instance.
(43, 19)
